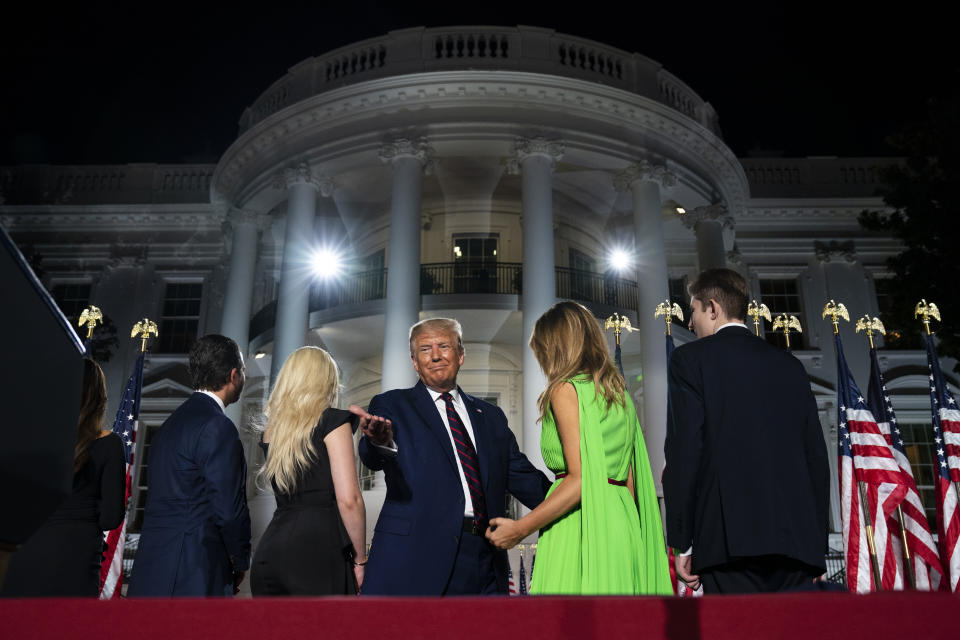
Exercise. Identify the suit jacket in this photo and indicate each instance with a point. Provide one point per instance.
(746, 470)
(417, 534)
(196, 527)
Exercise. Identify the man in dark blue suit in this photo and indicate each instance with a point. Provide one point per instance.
(195, 539)
(449, 460)
(746, 485)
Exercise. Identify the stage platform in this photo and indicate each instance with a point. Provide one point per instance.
(909, 616)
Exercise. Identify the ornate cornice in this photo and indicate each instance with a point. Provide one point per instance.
(243, 216)
(716, 211)
(644, 171)
(303, 174)
(524, 148)
(417, 149)
(825, 251)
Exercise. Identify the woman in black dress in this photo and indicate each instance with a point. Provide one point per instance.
(316, 542)
(63, 557)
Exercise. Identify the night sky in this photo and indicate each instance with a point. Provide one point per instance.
(92, 82)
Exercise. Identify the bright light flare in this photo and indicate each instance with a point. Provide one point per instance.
(326, 263)
(620, 260)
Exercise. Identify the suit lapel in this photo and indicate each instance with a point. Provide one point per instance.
(430, 417)
(481, 435)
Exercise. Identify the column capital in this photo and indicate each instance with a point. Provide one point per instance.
(643, 171)
(825, 251)
(304, 174)
(524, 148)
(718, 212)
(418, 149)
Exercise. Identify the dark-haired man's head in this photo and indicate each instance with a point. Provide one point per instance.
(717, 296)
(216, 365)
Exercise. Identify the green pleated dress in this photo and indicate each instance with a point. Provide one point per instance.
(609, 544)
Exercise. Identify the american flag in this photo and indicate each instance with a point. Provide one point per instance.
(125, 426)
(865, 461)
(923, 551)
(512, 587)
(946, 438)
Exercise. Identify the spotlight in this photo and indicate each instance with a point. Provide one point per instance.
(326, 263)
(619, 260)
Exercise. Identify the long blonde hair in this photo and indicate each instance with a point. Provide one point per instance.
(306, 386)
(567, 341)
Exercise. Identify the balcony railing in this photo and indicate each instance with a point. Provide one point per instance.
(529, 49)
(441, 278)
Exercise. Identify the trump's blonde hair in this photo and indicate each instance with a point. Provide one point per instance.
(567, 341)
(306, 386)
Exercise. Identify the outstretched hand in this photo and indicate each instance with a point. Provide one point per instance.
(504, 533)
(378, 430)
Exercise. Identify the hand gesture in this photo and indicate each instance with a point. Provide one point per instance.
(504, 533)
(378, 430)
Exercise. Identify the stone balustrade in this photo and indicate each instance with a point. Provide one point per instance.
(530, 49)
(106, 184)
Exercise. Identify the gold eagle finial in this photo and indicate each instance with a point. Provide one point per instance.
(668, 310)
(835, 310)
(926, 311)
(144, 327)
(90, 317)
(757, 311)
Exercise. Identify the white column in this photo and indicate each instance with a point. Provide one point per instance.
(408, 158)
(293, 297)
(644, 181)
(536, 159)
(708, 224)
(244, 228)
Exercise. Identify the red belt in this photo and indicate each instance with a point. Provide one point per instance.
(619, 483)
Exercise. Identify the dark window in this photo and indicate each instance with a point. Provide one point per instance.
(680, 296)
(180, 318)
(475, 263)
(146, 432)
(918, 443)
(896, 336)
(581, 275)
(72, 299)
(782, 295)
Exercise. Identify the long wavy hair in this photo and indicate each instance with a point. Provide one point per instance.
(567, 341)
(93, 406)
(306, 386)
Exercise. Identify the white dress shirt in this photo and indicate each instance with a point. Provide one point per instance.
(465, 417)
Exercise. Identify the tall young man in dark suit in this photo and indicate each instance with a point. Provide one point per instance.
(449, 459)
(195, 539)
(746, 484)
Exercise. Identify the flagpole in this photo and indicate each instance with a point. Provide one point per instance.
(927, 311)
(837, 311)
(869, 325)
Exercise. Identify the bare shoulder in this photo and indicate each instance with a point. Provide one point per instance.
(563, 395)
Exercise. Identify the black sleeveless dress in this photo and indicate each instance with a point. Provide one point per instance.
(305, 549)
(62, 558)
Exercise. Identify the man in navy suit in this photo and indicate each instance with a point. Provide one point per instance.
(746, 484)
(195, 539)
(449, 460)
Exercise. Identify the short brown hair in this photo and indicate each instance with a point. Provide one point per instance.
(727, 287)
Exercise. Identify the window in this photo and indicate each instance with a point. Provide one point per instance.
(180, 318)
(475, 263)
(371, 281)
(918, 443)
(781, 295)
(680, 296)
(146, 432)
(72, 298)
(581, 275)
(897, 336)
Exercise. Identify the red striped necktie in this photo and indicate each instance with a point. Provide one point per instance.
(468, 458)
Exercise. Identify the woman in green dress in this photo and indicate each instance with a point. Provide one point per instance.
(600, 530)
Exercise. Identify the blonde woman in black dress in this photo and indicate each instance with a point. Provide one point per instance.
(315, 544)
(63, 557)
